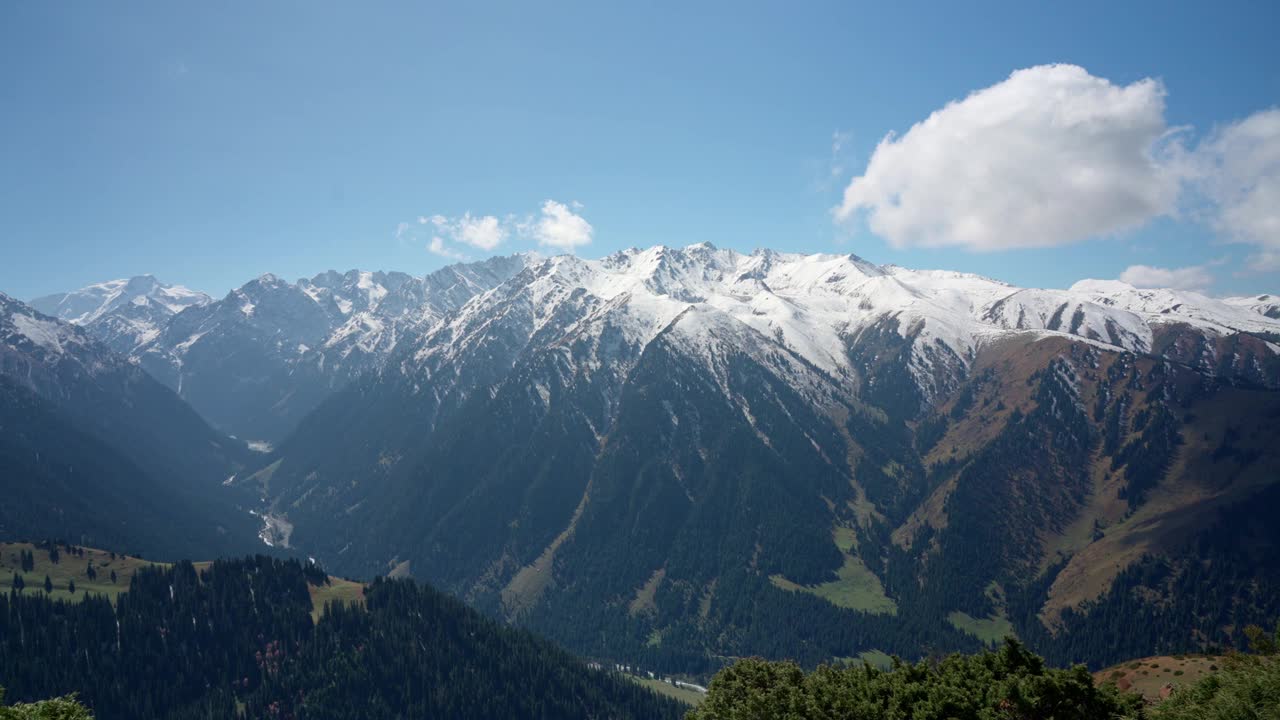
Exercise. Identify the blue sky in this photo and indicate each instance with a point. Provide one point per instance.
(209, 143)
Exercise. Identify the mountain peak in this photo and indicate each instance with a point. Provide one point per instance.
(143, 298)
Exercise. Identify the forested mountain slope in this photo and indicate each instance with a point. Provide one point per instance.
(238, 638)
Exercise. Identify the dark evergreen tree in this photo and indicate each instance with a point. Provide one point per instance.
(182, 644)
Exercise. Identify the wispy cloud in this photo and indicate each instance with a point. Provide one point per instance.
(437, 246)
(1238, 170)
(839, 153)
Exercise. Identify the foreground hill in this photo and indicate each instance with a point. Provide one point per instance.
(239, 638)
(1158, 677)
(92, 448)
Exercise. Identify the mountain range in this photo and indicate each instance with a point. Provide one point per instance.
(686, 454)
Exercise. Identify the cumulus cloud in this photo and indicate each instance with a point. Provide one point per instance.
(485, 232)
(1195, 277)
(560, 227)
(1238, 170)
(1050, 156)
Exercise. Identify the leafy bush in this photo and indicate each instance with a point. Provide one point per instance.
(63, 708)
(1011, 682)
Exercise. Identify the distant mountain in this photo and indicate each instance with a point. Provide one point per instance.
(256, 361)
(1268, 305)
(121, 313)
(678, 454)
(93, 448)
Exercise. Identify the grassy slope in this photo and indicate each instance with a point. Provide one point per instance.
(338, 590)
(73, 567)
(990, 630)
(684, 695)
(68, 568)
(856, 587)
(1148, 675)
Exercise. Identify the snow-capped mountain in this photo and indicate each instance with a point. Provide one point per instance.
(256, 361)
(122, 313)
(818, 308)
(651, 444)
(47, 355)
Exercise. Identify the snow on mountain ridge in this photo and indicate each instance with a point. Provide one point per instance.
(124, 313)
(1164, 305)
(838, 315)
(1266, 305)
(816, 306)
(39, 350)
(92, 302)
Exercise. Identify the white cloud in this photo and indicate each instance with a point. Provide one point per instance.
(1238, 170)
(437, 246)
(560, 227)
(1050, 156)
(1195, 277)
(557, 225)
(485, 232)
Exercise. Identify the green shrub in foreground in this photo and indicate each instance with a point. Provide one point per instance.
(1008, 683)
